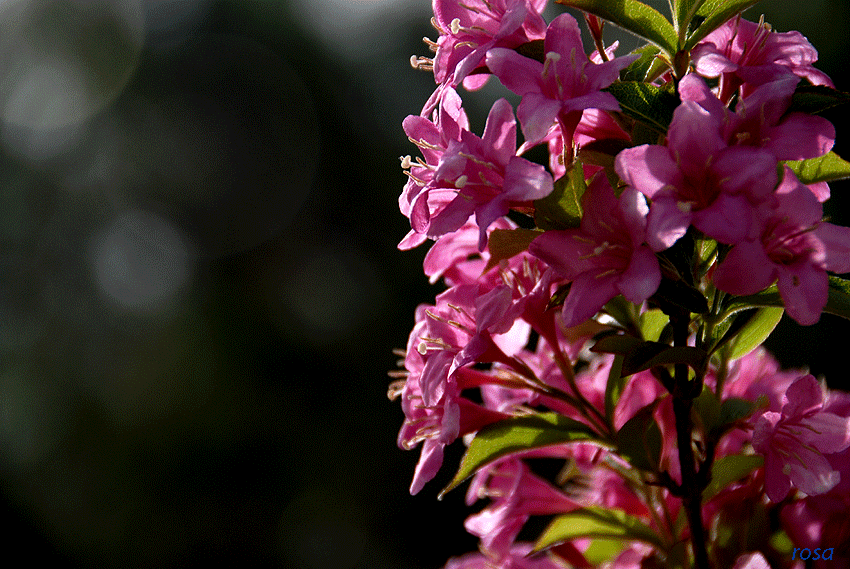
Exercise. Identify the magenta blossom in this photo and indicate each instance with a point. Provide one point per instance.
(795, 441)
(790, 243)
(698, 178)
(469, 29)
(474, 176)
(606, 256)
(761, 120)
(562, 87)
(742, 52)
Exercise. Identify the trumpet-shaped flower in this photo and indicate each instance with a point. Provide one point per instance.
(469, 29)
(742, 52)
(795, 441)
(474, 176)
(560, 88)
(698, 178)
(790, 243)
(606, 256)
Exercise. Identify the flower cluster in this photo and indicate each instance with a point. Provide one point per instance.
(605, 308)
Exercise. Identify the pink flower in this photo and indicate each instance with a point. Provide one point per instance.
(606, 256)
(795, 441)
(562, 87)
(791, 244)
(473, 176)
(469, 28)
(761, 120)
(742, 52)
(698, 178)
(751, 561)
(518, 494)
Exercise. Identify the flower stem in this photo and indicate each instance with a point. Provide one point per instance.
(692, 486)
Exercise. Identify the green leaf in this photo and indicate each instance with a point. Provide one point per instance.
(647, 355)
(649, 104)
(562, 208)
(505, 243)
(716, 13)
(652, 322)
(837, 303)
(639, 440)
(638, 69)
(515, 435)
(735, 409)
(683, 13)
(614, 387)
(603, 550)
(827, 168)
(616, 344)
(755, 331)
(596, 522)
(633, 16)
(814, 99)
(728, 469)
(707, 407)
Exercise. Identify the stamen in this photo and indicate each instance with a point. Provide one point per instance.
(461, 181)
(551, 57)
(405, 161)
(395, 389)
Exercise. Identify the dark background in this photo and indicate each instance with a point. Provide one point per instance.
(199, 285)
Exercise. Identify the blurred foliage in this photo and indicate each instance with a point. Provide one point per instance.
(200, 287)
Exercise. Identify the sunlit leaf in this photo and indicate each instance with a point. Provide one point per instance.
(827, 168)
(633, 16)
(596, 522)
(515, 435)
(638, 69)
(683, 12)
(755, 331)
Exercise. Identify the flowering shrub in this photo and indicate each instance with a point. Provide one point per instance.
(606, 308)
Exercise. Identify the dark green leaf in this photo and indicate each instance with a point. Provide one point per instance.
(505, 243)
(728, 469)
(735, 409)
(633, 16)
(562, 208)
(651, 354)
(616, 344)
(708, 408)
(596, 522)
(676, 293)
(683, 12)
(715, 12)
(532, 50)
(827, 168)
(638, 69)
(515, 435)
(614, 387)
(639, 440)
(649, 104)
(814, 99)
